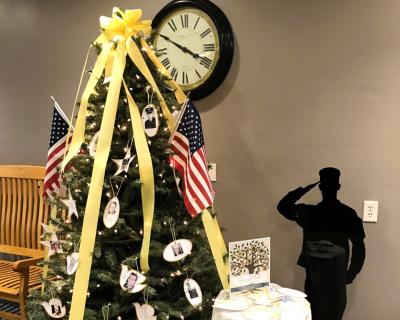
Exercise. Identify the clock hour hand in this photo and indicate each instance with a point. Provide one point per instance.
(184, 49)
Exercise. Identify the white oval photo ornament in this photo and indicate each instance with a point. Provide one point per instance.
(150, 120)
(177, 250)
(193, 292)
(111, 213)
(54, 308)
(131, 280)
(72, 263)
(93, 144)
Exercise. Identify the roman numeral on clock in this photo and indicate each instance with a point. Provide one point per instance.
(172, 25)
(209, 47)
(174, 73)
(185, 79)
(205, 32)
(198, 74)
(166, 63)
(195, 25)
(206, 62)
(184, 20)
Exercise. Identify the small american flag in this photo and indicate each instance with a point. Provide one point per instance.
(57, 144)
(189, 160)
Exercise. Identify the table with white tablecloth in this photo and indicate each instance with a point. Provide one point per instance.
(272, 304)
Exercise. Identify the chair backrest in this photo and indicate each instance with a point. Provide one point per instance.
(21, 206)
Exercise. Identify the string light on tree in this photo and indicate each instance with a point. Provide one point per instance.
(126, 240)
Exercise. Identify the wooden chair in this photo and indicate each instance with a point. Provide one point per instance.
(21, 212)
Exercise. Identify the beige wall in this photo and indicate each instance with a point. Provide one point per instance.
(313, 83)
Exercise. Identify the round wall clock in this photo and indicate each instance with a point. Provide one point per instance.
(194, 41)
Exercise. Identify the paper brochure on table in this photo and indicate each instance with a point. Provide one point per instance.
(249, 263)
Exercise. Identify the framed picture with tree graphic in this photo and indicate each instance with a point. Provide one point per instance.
(249, 262)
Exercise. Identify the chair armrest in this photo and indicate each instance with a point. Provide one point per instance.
(22, 264)
(21, 251)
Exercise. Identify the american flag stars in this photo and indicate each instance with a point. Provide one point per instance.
(190, 126)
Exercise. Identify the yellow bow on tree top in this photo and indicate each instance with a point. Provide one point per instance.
(124, 24)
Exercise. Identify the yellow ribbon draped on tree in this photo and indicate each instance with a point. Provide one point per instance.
(146, 176)
(92, 210)
(116, 43)
(217, 246)
(117, 29)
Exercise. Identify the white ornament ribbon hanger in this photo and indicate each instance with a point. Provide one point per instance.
(177, 180)
(172, 228)
(76, 245)
(187, 274)
(105, 310)
(146, 295)
(149, 99)
(129, 145)
(137, 266)
(115, 195)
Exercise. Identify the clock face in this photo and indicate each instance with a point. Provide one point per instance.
(188, 46)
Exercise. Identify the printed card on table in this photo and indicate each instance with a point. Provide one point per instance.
(249, 263)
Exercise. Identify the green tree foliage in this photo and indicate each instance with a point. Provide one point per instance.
(122, 243)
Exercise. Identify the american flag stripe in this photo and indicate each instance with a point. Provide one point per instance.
(199, 182)
(195, 191)
(193, 173)
(197, 168)
(195, 186)
(189, 192)
(201, 157)
(201, 166)
(52, 169)
(189, 160)
(59, 146)
(181, 166)
(55, 157)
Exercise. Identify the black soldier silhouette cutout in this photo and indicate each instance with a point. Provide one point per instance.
(327, 229)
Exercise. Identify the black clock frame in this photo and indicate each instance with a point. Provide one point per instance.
(225, 35)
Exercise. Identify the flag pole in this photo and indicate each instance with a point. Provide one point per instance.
(57, 106)
(180, 116)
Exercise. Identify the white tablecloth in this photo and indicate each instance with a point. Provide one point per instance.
(259, 306)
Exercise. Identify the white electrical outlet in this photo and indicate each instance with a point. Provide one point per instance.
(370, 211)
(212, 171)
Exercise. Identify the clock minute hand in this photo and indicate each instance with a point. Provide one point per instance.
(184, 49)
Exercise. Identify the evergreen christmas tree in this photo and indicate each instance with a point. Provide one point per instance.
(117, 248)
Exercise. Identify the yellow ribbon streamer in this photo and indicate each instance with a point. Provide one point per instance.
(179, 94)
(79, 132)
(146, 179)
(221, 240)
(136, 56)
(92, 210)
(217, 248)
